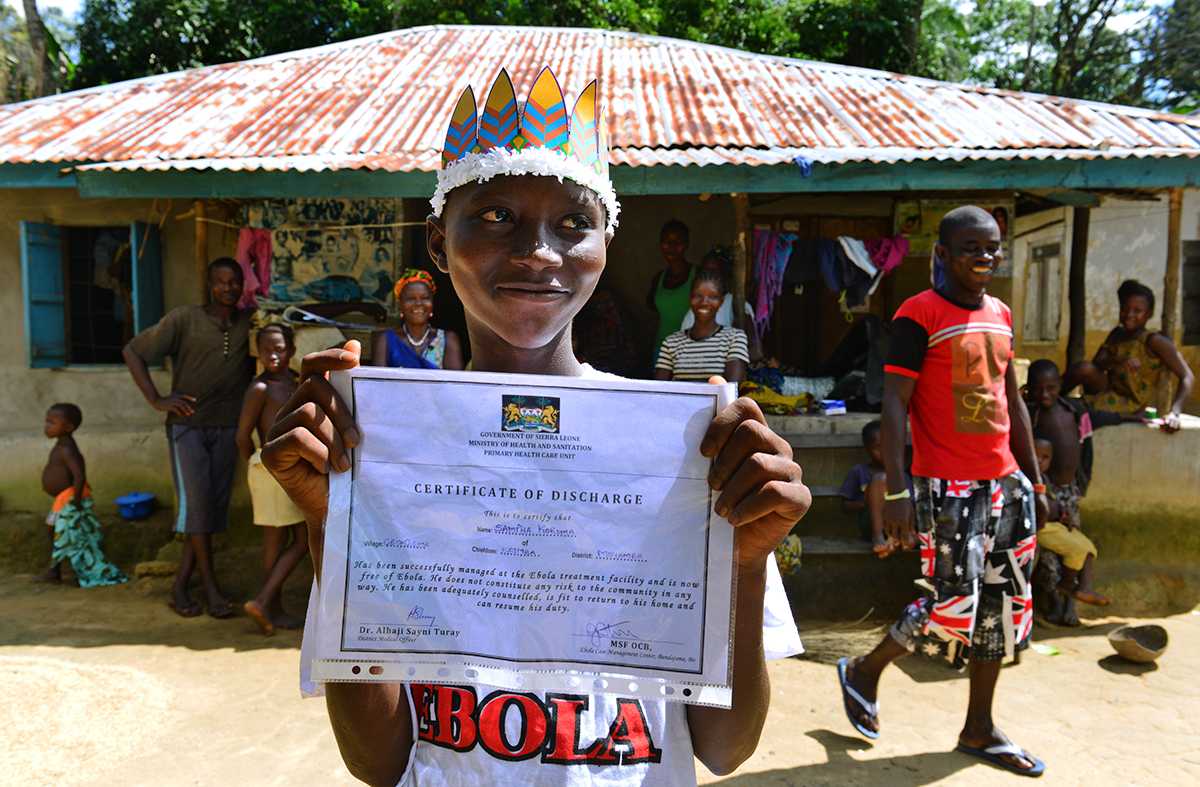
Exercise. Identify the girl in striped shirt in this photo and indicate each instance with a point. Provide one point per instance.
(707, 348)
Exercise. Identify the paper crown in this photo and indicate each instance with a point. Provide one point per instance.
(542, 140)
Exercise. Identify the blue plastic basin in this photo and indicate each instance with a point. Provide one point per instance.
(135, 505)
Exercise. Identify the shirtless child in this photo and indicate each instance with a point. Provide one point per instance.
(273, 509)
(77, 538)
(64, 478)
(1063, 430)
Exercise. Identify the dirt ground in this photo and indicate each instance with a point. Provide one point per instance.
(108, 686)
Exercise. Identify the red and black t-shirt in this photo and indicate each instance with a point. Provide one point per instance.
(959, 356)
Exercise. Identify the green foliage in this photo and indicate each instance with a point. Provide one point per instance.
(1068, 47)
(1171, 68)
(16, 57)
(122, 39)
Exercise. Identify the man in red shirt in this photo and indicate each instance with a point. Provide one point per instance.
(977, 493)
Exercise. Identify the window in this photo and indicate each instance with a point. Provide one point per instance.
(1190, 281)
(88, 290)
(1043, 293)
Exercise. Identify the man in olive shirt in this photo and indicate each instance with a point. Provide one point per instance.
(210, 371)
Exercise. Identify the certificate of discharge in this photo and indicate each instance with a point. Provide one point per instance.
(528, 532)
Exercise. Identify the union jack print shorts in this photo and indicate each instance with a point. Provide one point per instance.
(977, 541)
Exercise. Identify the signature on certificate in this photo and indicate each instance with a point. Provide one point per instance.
(418, 614)
(596, 632)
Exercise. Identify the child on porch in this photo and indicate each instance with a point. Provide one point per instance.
(1063, 431)
(863, 490)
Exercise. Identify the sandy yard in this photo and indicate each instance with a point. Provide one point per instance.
(108, 686)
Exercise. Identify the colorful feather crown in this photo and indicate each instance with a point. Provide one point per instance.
(542, 140)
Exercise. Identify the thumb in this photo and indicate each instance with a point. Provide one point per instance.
(716, 379)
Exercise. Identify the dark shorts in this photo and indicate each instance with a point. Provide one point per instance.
(977, 542)
(203, 460)
(1067, 496)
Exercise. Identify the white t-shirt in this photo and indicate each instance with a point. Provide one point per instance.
(482, 735)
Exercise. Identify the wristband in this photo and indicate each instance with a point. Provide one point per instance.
(901, 495)
(1039, 489)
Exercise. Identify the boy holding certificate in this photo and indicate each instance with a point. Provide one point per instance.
(521, 221)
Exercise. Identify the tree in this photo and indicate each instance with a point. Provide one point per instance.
(1068, 48)
(43, 73)
(16, 58)
(122, 39)
(1169, 69)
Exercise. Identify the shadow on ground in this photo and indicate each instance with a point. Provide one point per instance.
(840, 768)
(136, 613)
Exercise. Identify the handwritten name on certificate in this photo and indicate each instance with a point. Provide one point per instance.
(528, 532)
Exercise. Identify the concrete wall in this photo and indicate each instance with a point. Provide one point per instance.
(122, 438)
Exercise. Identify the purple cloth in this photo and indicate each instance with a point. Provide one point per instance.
(401, 356)
(254, 255)
(772, 250)
(855, 485)
(856, 482)
(887, 253)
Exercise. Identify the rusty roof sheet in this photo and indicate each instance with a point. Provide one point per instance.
(383, 102)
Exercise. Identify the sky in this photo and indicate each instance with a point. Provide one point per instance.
(71, 8)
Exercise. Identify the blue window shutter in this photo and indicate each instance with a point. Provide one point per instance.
(146, 250)
(43, 286)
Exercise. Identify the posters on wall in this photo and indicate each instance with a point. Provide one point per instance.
(330, 250)
(918, 220)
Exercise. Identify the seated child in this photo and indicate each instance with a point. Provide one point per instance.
(1063, 537)
(1063, 430)
(863, 492)
(274, 511)
(74, 530)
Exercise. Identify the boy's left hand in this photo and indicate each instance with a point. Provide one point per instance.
(762, 494)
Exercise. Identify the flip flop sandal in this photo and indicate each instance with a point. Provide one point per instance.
(190, 611)
(886, 549)
(995, 756)
(848, 693)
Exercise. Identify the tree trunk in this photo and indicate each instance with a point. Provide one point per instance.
(1077, 286)
(43, 78)
(912, 34)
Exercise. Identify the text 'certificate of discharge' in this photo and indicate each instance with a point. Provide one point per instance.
(528, 532)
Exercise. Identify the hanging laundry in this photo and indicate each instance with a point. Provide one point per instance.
(856, 251)
(887, 253)
(859, 276)
(804, 265)
(829, 261)
(254, 256)
(772, 250)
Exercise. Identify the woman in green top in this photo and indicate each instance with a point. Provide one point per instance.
(671, 289)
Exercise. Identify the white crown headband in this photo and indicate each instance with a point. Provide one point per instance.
(542, 140)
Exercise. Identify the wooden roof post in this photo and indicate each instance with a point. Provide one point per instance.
(1077, 286)
(1170, 301)
(741, 255)
(201, 248)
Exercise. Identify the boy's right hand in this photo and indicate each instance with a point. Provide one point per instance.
(182, 405)
(898, 520)
(311, 434)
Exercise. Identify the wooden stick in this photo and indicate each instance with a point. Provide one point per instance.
(741, 254)
(201, 248)
(1170, 306)
(1077, 287)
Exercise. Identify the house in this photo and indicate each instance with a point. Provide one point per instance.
(113, 198)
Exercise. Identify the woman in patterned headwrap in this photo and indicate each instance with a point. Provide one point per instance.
(417, 344)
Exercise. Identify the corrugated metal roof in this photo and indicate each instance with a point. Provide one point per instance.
(383, 103)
